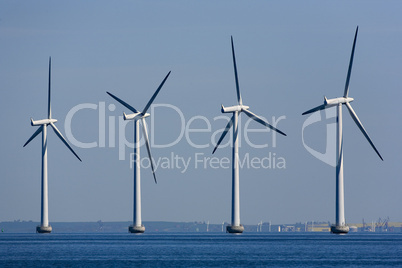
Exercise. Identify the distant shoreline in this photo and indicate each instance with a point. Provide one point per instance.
(163, 226)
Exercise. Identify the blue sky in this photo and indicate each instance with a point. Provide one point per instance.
(289, 55)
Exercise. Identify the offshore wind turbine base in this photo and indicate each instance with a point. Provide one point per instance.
(43, 229)
(136, 229)
(233, 229)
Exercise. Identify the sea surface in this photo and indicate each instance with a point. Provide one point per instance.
(201, 250)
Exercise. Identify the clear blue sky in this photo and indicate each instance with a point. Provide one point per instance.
(289, 55)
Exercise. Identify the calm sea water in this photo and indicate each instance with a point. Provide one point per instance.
(201, 250)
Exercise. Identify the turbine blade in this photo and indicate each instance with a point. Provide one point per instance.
(39, 130)
(261, 121)
(345, 95)
(321, 107)
(49, 110)
(360, 125)
(228, 126)
(155, 94)
(58, 133)
(125, 104)
(144, 129)
(239, 100)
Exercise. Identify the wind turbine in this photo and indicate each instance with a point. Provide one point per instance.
(235, 226)
(137, 116)
(44, 226)
(340, 224)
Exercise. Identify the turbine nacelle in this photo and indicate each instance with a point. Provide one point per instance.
(42, 129)
(336, 101)
(42, 122)
(346, 100)
(135, 116)
(235, 108)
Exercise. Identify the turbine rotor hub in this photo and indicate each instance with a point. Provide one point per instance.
(42, 122)
(135, 116)
(337, 100)
(235, 108)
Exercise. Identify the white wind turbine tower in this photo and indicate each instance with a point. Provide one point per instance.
(235, 226)
(44, 226)
(340, 226)
(137, 116)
